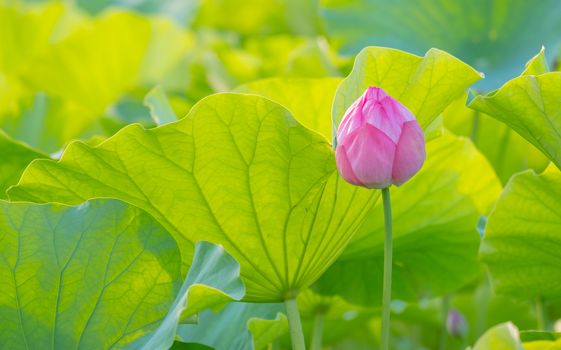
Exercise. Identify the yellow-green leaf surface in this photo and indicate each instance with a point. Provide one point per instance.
(543, 345)
(25, 32)
(103, 54)
(160, 107)
(309, 100)
(239, 171)
(48, 123)
(541, 340)
(504, 336)
(435, 216)
(239, 326)
(15, 157)
(537, 64)
(425, 85)
(507, 151)
(82, 70)
(95, 276)
(523, 236)
(213, 280)
(529, 105)
(258, 18)
(33, 25)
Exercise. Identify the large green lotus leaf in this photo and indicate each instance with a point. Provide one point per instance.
(109, 54)
(213, 281)
(24, 33)
(426, 85)
(95, 276)
(239, 171)
(309, 100)
(529, 105)
(239, 326)
(94, 54)
(167, 46)
(48, 123)
(229, 64)
(522, 236)
(102, 55)
(85, 69)
(101, 275)
(180, 11)
(435, 216)
(491, 35)
(15, 158)
(259, 17)
(507, 151)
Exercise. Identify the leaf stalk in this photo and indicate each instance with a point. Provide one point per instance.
(387, 291)
(295, 324)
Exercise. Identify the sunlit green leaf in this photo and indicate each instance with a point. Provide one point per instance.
(522, 237)
(181, 11)
(229, 64)
(541, 340)
(237, 170)
(435, 238)
(24, 34)
(48, 123)
(528, 336)
(259, 17)
(160, 108)
(309, 100)
(213, 280)
(426, 85)
(167, 46)
(95, 276)
(491, 35)
(15, 157)
(507, 151)
(543, 345)
(102, 55)
(504, 336)
(239, 326)
(529, 105)
(265, 332)
(537, 65)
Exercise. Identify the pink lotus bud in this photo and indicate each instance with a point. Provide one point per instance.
(379, 142)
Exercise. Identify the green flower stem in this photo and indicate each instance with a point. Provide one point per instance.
(295, 324)
(445, 307)
(317, 336)
(387, 293)
(540, 315)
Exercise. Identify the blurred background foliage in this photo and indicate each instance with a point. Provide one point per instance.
(83, 69)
